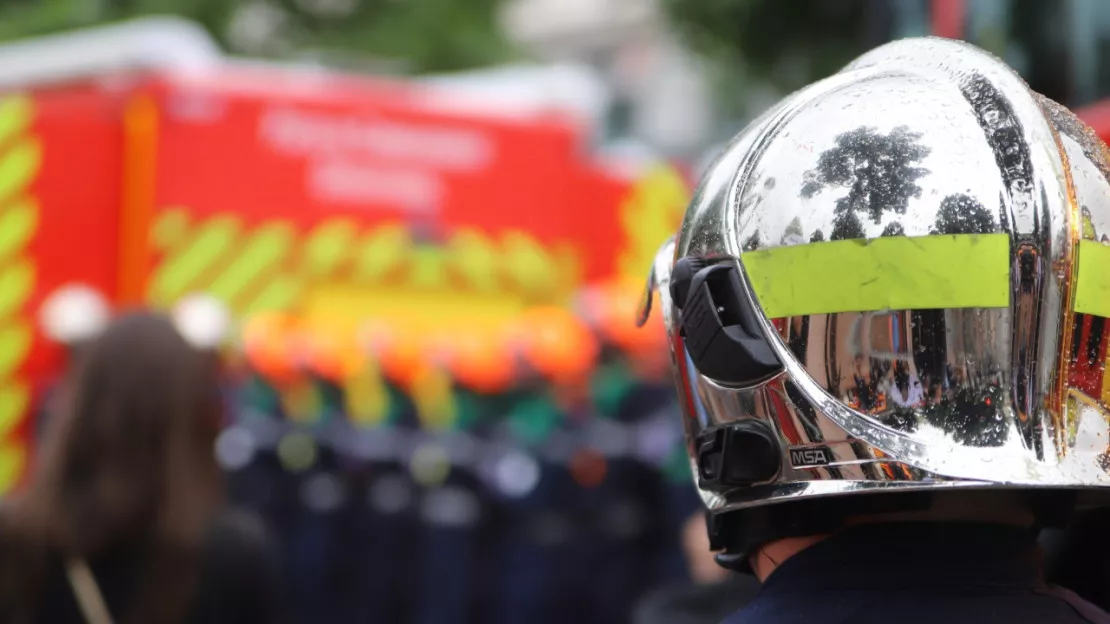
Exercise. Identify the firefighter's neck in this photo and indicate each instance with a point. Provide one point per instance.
(771, 555)
(980, 507)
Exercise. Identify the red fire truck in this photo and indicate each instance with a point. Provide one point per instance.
(139, 163)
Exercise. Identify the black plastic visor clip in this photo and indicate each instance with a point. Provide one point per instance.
(720, 326)
(739, 454)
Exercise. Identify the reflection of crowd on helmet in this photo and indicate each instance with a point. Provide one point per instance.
(894, 393)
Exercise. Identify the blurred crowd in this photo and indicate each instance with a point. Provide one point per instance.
(526, 471)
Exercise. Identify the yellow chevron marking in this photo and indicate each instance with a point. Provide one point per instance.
(17, 226)
(178, 272)
(474, 256)
(13, 459)
(265, 247)
(529, 266)
(170, 229)
(651, 213)
(328, 245)
(16, 284)
(15, 399)
(381, 251)
(19, 166)
(261, 269)
(15, 116)
(426, 270)
(277, 296)
(15, 343)
(20, 161)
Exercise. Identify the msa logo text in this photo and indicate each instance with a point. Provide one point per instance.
(819, 456)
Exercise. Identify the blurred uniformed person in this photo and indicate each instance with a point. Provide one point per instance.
(919, 208)
(541, 474)
(468, 370)
(632, 387)
(388, 529)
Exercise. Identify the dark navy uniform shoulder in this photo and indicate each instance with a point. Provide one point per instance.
(917, 574)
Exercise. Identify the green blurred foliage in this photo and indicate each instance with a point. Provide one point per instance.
(429, 35)
(788, 43)
(422, 35)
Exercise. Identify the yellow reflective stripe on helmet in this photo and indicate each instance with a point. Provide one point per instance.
(890, 273)
(1092, 282)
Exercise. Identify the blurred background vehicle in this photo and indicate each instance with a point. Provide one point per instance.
(411, 235)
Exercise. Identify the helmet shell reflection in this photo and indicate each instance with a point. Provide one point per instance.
(923, 243)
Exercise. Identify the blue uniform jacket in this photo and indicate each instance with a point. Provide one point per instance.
(917, 574)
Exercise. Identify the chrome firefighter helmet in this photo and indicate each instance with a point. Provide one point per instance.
(896, 280)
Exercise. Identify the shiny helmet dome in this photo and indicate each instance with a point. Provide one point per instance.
(896, 280)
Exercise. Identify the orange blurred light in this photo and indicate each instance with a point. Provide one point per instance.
(398, 349)
(269, 346)
(330, 353)
(480, 359)
(611, 308)
(555, 343)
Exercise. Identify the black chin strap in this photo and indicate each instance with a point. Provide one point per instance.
(737, 535)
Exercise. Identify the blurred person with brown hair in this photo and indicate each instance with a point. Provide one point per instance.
(122, 518)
